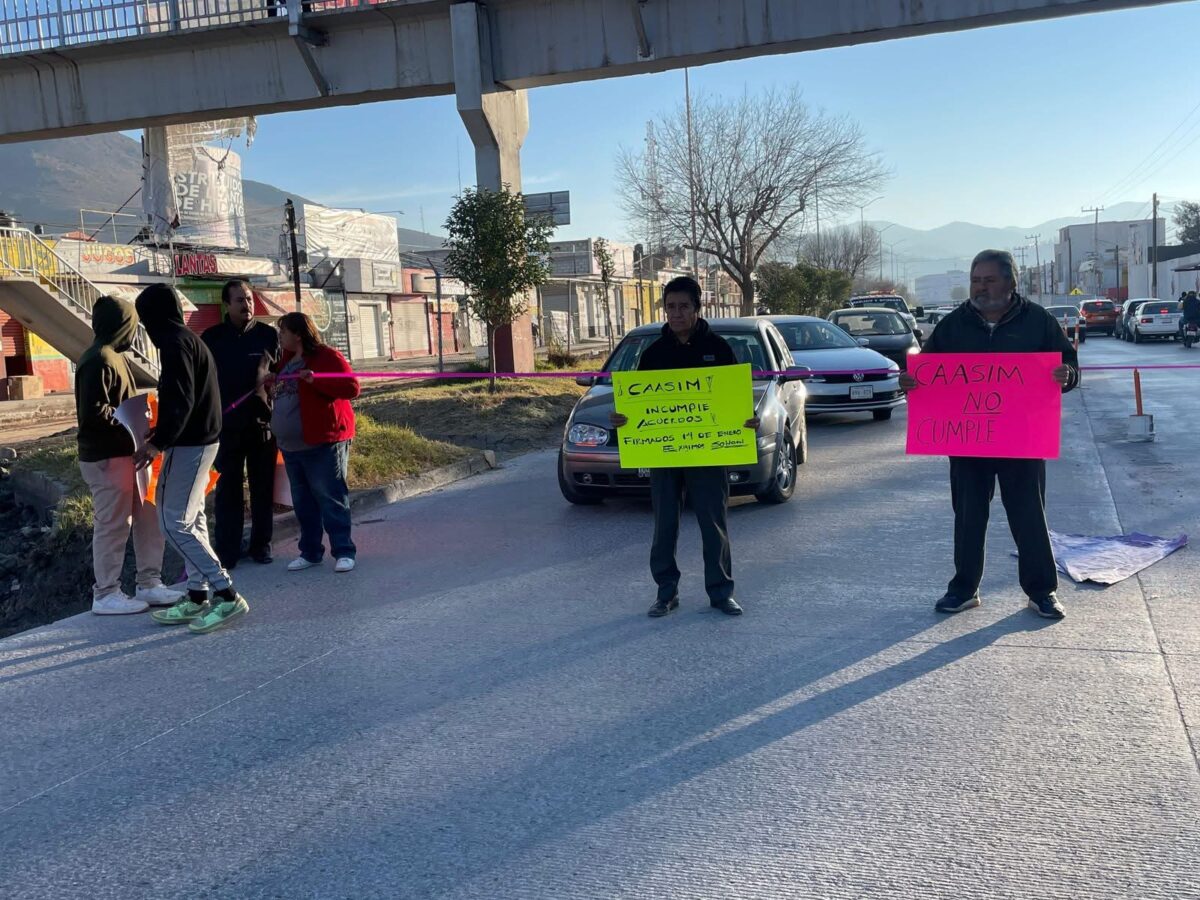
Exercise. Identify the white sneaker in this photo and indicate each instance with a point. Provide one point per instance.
(299, 564)
(345, 564)
(117, 604)
(159, 595)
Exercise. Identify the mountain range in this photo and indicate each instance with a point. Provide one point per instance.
(48, 182)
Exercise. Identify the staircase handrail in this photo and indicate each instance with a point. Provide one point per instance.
(141, 347)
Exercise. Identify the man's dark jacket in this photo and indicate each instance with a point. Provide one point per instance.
(704, 348)
(1191, 308)
(238, 355)
(189, 400)
(103, 382)
(1025, 328)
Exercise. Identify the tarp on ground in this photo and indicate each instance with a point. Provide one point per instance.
(1108, 560)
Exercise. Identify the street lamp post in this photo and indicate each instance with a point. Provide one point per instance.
(879, 234)
(892, 251)
(862, 222)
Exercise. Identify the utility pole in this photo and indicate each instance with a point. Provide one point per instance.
(1096, 243)
(1154, 254)
(1037, 255)
(290, 210)
(817, 205)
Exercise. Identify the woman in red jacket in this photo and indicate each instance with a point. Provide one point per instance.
(313, 423)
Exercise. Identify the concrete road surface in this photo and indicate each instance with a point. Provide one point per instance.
(483, 710)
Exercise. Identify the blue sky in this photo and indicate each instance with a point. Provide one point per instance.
(1000, 126)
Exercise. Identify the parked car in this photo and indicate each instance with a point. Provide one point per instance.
(1099, 316)
(819, 346)
(1161, 319)
(889, 301)
(589, 468)
(1127, 312)
(883, 330)
(1069, 318)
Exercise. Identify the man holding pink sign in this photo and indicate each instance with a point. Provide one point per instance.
(986, 391)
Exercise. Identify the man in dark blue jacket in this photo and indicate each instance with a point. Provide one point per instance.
(244, 351)
(999, 320)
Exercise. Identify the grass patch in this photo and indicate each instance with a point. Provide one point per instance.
(384, 452)
(520, 415)
(57, 458)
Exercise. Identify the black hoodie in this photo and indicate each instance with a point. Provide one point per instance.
(189, 401)
(103, 382)
(704, 348)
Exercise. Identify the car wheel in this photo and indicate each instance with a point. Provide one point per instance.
(783, 480)
(881, 415)
(574, 494)
(1137, 336)
(802, 444)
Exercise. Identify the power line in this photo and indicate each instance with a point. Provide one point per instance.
(1121, 183)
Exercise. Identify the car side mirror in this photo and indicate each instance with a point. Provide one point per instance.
(920, 334)
(585, 380)
(864, 342)
(796, 373)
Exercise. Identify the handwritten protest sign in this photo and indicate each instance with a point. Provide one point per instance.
(686, 417)
(985, 404)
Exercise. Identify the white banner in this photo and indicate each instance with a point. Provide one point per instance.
(348, 234)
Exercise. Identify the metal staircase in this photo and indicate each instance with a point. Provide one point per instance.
(53, 299)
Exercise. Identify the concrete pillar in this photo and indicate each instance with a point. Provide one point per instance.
(497, 120)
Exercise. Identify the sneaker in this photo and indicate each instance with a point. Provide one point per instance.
(117, 604)
(181, 613)
(262, 557)
(345, 564)
(299, 564)
(662, 607)
(1048, 607)
(219, 615)
(159, 595)
(952, 604)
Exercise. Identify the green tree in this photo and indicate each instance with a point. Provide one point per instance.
(1187, 222)
(604, 259)
(801, 289)
(498, 254)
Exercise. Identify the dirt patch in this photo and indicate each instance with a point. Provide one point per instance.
(519, 416)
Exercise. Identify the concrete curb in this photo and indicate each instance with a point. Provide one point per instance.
(38, 492)
(402, 489)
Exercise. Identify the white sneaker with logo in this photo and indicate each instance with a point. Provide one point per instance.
(345, 564)
(299, 564)
(117, 604)
(159, 595)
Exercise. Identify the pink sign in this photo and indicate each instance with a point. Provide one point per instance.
(985, 404)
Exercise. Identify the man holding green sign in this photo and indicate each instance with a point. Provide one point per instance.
(678, 436)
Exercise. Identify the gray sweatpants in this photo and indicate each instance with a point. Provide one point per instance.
(180, 501)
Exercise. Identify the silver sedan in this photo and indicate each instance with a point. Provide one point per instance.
(860, 379)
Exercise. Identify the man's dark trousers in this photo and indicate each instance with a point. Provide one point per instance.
(250, 449)
(707, 490)
(1023, 493)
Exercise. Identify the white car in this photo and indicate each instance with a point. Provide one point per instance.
(865, 381)
(1156, 319)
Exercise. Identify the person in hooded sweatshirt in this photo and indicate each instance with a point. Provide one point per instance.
(186, 435)
(102, 383)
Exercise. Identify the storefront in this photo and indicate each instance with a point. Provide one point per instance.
(327, 309)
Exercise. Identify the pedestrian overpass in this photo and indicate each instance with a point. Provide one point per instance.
(73, 67)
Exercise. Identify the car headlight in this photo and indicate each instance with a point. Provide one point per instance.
(588, 435)
(914, 348)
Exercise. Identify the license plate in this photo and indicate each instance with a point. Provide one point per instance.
(643, 473)
(862, 391)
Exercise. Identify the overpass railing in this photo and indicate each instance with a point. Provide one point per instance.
(29, 26)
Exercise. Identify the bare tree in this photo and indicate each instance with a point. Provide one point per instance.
(754, 165)
(848, 249)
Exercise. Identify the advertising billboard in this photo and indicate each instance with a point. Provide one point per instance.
(348, 234)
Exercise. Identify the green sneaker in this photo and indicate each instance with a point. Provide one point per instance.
(220, 614)
(181, 613)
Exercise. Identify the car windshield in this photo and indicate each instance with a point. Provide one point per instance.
(1062, 312)
(887, 302)
(747, 347)
(872, 323)
(1099, 306)
(814, 336)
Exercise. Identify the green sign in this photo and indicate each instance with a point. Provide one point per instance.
(686, 417)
